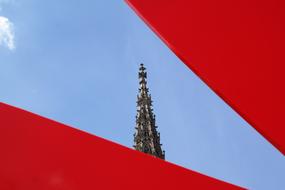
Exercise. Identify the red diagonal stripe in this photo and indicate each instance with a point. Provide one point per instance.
(39, 154)
(236, 47)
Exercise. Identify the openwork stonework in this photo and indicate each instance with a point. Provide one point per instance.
(146, 137)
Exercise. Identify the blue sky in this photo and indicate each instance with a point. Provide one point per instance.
(77, 61)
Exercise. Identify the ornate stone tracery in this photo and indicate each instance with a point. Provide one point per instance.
(146, 137)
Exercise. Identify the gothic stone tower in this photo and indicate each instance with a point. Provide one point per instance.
(146, 138)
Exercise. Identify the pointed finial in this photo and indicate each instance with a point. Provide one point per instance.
(142, 73)
(142, 68)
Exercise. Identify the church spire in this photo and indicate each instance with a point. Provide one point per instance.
(146, 138)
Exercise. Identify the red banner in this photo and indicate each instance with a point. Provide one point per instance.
(236, 47)
(40, 154)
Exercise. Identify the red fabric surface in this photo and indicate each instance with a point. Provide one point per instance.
(40, 154)
(236, 47)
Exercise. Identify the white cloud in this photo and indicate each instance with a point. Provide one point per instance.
(6, 33)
